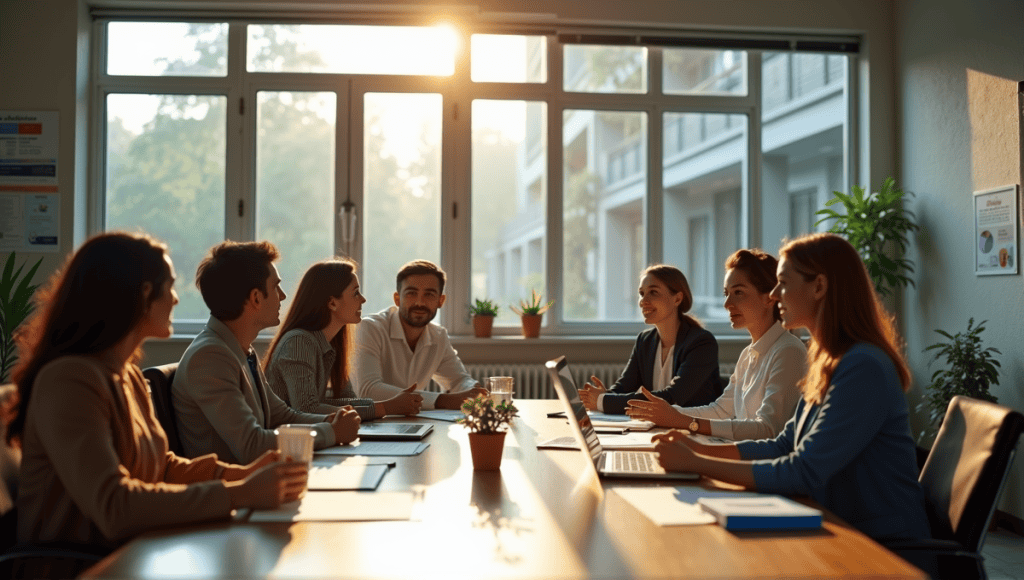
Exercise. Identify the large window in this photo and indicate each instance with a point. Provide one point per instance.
(516, 161)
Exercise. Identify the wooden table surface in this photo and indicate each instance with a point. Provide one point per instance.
(542, 516)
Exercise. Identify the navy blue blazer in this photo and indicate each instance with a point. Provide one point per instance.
(695, 377)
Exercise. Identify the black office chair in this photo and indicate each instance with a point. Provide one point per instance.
(160, 379)
(962, 480)
(31, 560)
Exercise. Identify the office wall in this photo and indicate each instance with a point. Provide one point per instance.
(43, 62)
(960, 132)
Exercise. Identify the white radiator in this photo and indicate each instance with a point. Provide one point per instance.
(532, 381)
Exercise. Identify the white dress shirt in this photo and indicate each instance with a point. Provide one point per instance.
(385, 365)
(762, 393)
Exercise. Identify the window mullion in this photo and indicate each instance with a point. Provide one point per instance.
(240, 162)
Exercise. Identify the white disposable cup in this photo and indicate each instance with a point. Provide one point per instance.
(501, 389)
(295, 441)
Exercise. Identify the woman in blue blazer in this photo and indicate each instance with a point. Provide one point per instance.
(676, 360)
(848, 445)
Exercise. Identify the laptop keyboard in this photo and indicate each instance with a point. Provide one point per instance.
(635, 462)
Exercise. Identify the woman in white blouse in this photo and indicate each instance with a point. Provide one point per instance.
(762, 392)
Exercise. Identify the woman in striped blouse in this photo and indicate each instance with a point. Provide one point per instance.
(312, 348)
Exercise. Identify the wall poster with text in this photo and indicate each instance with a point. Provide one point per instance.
(995, 231)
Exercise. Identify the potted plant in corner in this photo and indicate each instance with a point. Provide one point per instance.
(971, 371)
(15, 306)
(485, 422)
(483, 313)
(877, 225)
(531, 312)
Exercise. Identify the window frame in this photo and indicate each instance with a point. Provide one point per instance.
(458, 93)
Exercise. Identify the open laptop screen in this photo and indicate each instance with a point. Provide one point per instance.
(567, 385)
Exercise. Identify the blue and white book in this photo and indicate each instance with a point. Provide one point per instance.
(762, 512)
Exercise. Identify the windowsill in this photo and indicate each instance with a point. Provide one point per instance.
(506, 348)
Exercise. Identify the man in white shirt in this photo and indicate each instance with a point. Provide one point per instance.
(399, 346)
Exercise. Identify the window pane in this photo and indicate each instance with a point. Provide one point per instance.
(345, 49)
(605, 183)
(295, 179)
(167, 49)
(804, 126)
(704, 166)
(402, 189)
(605, 69)
(509, 201)
(165, 176)
(508, 59)
(705, 72)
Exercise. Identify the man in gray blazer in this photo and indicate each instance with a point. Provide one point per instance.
(220, 395)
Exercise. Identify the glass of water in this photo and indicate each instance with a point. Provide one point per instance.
(501, 389)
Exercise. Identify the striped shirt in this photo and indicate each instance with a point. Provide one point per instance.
(300, 369)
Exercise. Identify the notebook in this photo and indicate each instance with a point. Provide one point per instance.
(631, 464)
(394, 431)
(762, 512)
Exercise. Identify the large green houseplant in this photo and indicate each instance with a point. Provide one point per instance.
(878, 226)
(16, 305)
(970, 371)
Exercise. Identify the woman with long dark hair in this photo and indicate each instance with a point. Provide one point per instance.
(312, 349)
(96, 469)
(848, 445)
(762, 391)
(677, 360)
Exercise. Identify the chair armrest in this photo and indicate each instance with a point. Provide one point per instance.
(937, 547)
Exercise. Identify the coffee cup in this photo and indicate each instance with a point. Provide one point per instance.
(296, 442)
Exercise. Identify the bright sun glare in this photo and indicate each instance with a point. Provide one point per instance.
(345, 49)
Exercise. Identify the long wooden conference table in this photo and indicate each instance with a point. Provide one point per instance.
(543, 515)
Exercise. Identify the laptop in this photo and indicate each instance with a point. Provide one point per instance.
(394, 431)
(631, 464)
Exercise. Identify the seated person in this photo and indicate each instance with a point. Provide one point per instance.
(219, 392)
(96, 469)
(677, 360)
(399, 347)
(763, 391)
(848, 446)
(313, 347)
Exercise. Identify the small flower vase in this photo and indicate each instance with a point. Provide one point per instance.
(482, 325)
(531, 325)
(486, 449)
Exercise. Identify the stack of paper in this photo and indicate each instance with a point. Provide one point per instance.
(341, 506)
(635, 441)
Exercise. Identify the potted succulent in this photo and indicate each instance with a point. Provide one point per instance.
(15, 306)
(877, 225)
(486, 422)
(531, 312)
(971, 371)
(483, 313)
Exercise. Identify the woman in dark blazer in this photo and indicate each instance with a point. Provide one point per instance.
(676, 360)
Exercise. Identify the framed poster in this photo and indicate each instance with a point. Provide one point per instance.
(995, 231)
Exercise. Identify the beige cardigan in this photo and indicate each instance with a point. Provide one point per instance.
(96, 468)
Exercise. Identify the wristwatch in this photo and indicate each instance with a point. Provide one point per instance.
(693, 425)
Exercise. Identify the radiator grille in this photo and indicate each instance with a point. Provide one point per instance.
(532, 382)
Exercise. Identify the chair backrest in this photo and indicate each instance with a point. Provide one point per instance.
(967, 467)
(160, 379)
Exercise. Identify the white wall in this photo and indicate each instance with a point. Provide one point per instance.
(960, 132)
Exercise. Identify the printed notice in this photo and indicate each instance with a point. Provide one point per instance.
(29, 222)
(995, 231)
(28, 151)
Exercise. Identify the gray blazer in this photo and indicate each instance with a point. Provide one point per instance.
(220, 411)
